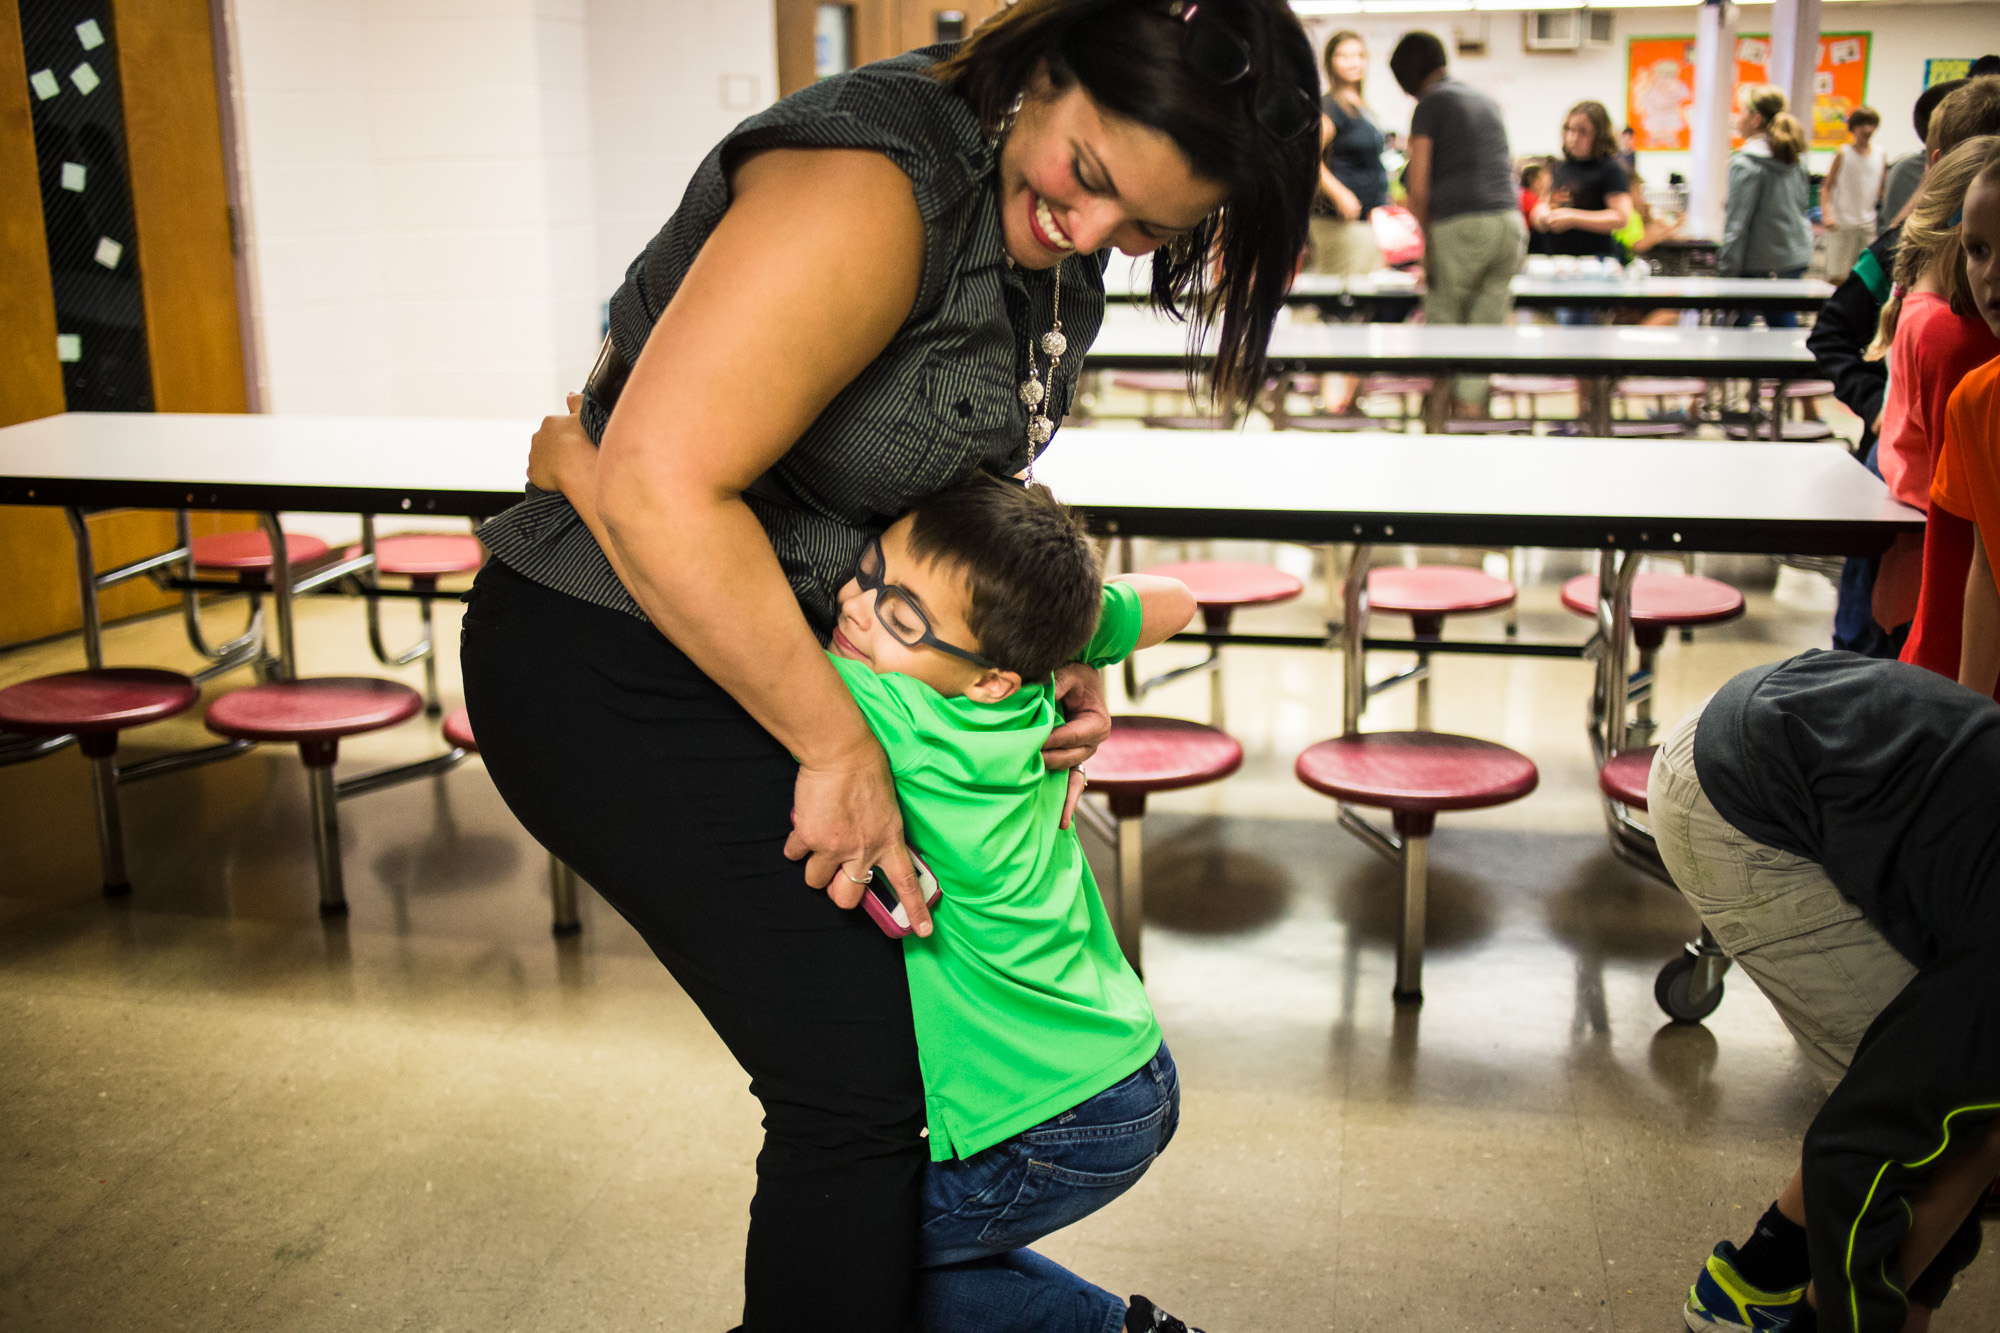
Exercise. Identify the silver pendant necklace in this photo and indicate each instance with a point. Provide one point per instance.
(1034, 393)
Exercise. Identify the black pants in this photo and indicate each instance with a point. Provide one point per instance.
(622, 758)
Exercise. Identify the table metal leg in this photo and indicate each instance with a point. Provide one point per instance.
(326, 837)
(1598, 419)
(1353, 633)
(562, 894)
(1410, 943)
(1615, 573)
(86, 589)
(1777, 411)
(1131, 872)
(281, 603)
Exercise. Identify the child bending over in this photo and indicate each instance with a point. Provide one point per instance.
(1049, 1089)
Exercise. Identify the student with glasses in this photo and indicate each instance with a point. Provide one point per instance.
(873, 289)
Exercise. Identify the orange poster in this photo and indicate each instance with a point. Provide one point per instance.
(1659, 93)
(1660, 86)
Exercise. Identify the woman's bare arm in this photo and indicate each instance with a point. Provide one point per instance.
(804, 281)
(1617, 211)
(1979, 649)
(1165, 606)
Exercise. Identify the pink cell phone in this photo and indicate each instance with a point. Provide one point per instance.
(887, 909)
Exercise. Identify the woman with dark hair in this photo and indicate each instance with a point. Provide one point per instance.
(873, 289)
(1353, 183)
(1765, 233)
(1590, 199)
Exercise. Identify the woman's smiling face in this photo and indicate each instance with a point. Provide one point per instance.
(1074, 177)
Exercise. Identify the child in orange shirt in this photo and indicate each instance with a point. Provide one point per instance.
(1966, 481)
(1932, 338)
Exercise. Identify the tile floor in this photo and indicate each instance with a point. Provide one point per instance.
(221, 1114)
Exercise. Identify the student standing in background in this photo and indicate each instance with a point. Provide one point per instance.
(1906, 174)
(1461, 188)
(1353, 183)
(1764, 229)
(1852, 192)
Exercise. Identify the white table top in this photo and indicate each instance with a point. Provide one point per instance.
(1636, 494)
(1130, 279)
(333, 464)
(1133, 339)
(1700, 495)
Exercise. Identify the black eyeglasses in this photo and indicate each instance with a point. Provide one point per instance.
(1220, 55)
(897, 611)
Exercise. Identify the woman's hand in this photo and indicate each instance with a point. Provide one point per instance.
(845, 822)
(1346, 202)
(555, 445)
(1080, 691)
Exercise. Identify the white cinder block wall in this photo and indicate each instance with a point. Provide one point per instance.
(439, 195)
(1536, 88)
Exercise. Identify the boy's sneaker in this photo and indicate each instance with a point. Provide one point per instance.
(1142, 1316)
(1721, 1301)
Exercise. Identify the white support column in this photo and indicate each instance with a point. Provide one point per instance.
(1710, 117)
(1795, 54)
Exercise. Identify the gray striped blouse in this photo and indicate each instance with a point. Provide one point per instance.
(940, 400)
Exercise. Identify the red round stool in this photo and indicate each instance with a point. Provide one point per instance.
(422, 558)
(1413, 775)
(1688, 987)
(248, 556)
(249, 553)
(94, 706)
(1145, 755)
(1219, 588)
(562, 880)
(1427, 594)
(1660, 602)
(1623, 777)
(315, 714)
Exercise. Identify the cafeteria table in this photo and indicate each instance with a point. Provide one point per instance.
(1125, 281)
(1132, 339)
(1622, 498)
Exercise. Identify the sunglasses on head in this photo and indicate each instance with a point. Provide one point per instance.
(1220, 54)
(897, 611)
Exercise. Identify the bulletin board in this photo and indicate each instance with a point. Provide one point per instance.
(1660, 86)
(1944, 71)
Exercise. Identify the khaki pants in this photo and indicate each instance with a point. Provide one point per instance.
(1826, 970)
(1844, 245)
(1468, 262)
(1344, 248)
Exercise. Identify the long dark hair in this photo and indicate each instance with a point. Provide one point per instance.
(1127, 55)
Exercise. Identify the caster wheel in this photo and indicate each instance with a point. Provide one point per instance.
(1672, 990)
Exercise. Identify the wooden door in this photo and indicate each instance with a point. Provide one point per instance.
(924, 22)
(166, 70)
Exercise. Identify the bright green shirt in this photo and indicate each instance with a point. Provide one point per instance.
(1024, 1004)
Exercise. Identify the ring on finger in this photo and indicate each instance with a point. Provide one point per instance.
(868, 878)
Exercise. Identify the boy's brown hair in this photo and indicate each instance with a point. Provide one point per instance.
(1035, 581)
(1863, 115)
(1968, 113)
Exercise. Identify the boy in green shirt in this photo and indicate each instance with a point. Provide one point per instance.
(1049, 1089)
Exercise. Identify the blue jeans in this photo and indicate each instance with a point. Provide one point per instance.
(980, 1212)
